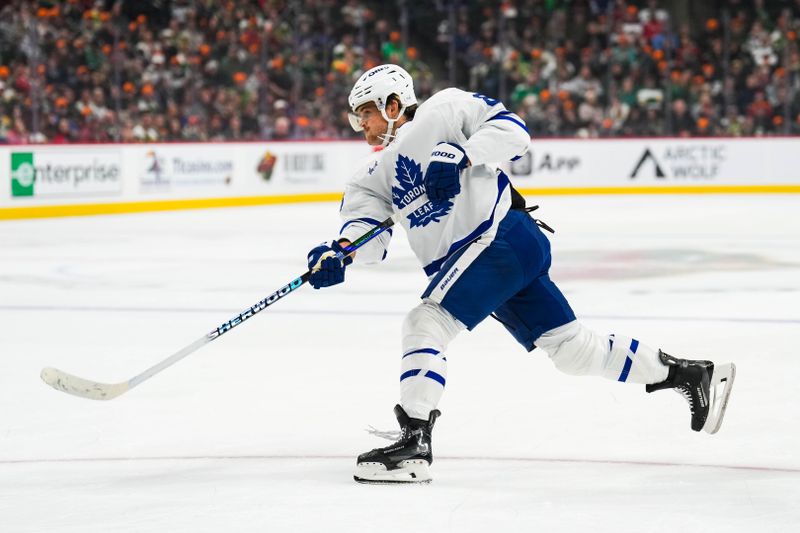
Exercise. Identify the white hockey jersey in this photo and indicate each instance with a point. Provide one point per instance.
(392, 179)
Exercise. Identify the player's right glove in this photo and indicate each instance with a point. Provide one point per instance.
(444, 170)
(326, 269)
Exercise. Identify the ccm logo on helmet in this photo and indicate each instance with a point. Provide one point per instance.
(443, 154)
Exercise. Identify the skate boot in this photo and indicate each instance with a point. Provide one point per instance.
(706, 388)
(405, 461)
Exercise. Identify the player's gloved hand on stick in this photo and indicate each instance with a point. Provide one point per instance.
(444, 169)
(326, 269)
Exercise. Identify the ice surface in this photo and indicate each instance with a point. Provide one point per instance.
(258, 431)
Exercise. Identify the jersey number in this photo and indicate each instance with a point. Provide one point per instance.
(491, 102)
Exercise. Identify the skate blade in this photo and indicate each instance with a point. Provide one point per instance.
(410, 471)
(720, 391)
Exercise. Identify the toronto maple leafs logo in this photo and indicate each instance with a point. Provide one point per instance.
(408, 174)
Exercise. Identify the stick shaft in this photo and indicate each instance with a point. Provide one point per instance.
(102, 391)
(298, 282)
(168, 362)
(251, 311)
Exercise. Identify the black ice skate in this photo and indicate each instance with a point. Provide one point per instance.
(405, 461)
(706, 388)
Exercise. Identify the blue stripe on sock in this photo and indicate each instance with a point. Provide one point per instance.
(628, 362)
(410, 373)
(626, 369)
(429, 374)
(435, 377)
(422, 350)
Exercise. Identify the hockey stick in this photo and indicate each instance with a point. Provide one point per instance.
(65, 382)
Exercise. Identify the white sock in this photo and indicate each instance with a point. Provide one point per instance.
(427, 330)
(577, 350)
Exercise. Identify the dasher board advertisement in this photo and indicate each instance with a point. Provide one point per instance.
(64, 173)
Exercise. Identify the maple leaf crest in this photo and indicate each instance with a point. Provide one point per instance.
(408, 175)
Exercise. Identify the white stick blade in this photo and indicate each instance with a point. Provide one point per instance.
(83, 388)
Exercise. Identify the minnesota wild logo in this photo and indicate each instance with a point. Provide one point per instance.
(408, 174)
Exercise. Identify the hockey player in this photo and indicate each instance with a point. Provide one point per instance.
(483, 254)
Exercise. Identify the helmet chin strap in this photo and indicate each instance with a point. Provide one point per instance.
(389, 135)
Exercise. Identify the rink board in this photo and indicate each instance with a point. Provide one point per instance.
(65, 180)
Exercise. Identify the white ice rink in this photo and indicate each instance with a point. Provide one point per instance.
(258, 431)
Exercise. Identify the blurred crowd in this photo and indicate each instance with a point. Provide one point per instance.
(107, 71)
(617, 68)
(96, 71)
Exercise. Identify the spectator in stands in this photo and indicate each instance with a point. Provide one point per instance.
(107, 71)
(682, 122)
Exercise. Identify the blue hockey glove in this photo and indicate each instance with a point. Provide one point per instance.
(444, 169)
(326, 269)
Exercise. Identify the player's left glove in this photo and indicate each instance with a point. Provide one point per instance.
(326, 269)
(444, 170)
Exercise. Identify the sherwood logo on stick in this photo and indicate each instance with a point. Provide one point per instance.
(260, 306)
